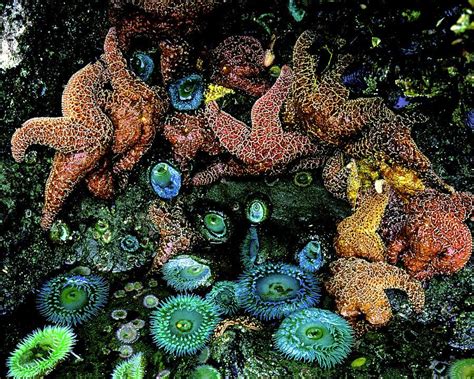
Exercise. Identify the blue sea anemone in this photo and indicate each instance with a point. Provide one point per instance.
(274, 290)
(205, 372)
(129, 244)
(187, 93)
(223, 295)
(462, 369)
(40, 352)
(257, 210)
(214, 226)
(186, 273)
(183, 324)
(250, 248)
(315, 335)
(132, 368)
(165, 180)
(311, 257)
(142, 65)
(72, 300)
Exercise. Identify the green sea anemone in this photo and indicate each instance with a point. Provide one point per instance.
(72, 300)
(60, 232)
(303, 179)
(205, 372)
(257, 210)
(40, 352)
(132, 368)
(186, 273)
(129, 244)
(214, 226)
(183, 324)
(223, 295)
(314, 335)
(462, 369)
(150, 301)
(127, 333)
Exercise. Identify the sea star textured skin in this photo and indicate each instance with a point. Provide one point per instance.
(359, 127)
(96, 124)
(238, 63)
(433, 238)
(176, 233)
(263, 148)
(358, 287)
(357, 234)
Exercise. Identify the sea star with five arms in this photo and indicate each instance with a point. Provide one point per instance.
(265, 147)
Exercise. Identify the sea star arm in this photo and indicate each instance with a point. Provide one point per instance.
(217, 171)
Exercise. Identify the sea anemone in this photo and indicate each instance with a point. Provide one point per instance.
(257, 210)
(250, 248)
(119, 314)
(303, 179)
(461, 369)
(38, 354)
(183, 324)
(150, 301)
(205, 372)
(125, 351)
(214, 226)
(186, 273)
(187, 93)
(165, 180)
(127, 333)
(223, 295)
(274, 290)
(132, 368)
(142, 65)
(314, 335)
(72, 300)
(311, 257)
(60, 232)
(129, 244)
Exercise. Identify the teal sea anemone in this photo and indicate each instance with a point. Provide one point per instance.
(72, 300)
(214, 226)
(250, 248)
(223, 295)
(186, 273)
(129, 244)
(205, 372)
(274, 290)
(311, 257)
(183, 324)
(132, 368)
(257, 210)
(40, 352)
(315, 335)
(462, 369)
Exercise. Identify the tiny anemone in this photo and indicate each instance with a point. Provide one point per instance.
(38, 353)
(150, 301)
(72, 300)
(223, 295)
(257, 210)
(60, 232)
(183, 324)
(311, 257)
(303, 179)
(125, 351)
(138, 323)
(250, 248)
(315, 335)
(119, 314)
(205, 372)
(132, 368)
(165, 180)
(274, 290)
(462, 369)
(129, 244)
(186, 273)
(187, 93)
(127, 333)
(142, 65)
(214, 226)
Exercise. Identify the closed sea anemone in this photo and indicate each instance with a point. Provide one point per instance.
(143, 65)
(132, 368)
(311, 257)
(257, 210)
(214, 226)
(165, 180)
(187, 93)
(40, 352)
(274, 290)
(250, 248)
(183, 324)
(205, 372)
(315, 335)
(461, 369)
(129, 244)
(72, 300)
(223, 295)
(186, 273)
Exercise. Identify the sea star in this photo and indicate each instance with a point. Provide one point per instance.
(359, 289)
(433, 238)
(238, 63)
(96, 124)
(266, 146)
(357, 234)
(360, 127)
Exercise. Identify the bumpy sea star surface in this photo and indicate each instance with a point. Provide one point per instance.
(96, 125)
(360, 127)
(359, 289)
(238, 63)
(433, 238)
(357, 234)
(264, 147)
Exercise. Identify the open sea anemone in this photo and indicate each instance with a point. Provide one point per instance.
(38, 354)
(205, 372)
(187, 93)
(311, 257)
(127, 333)
(315, 335)
(214, 226)
(183, 324)
(165, 180)
(132, 368)
(274, 290)
(223, 295)
(461, 369)
(72, 300)
(186, 273)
